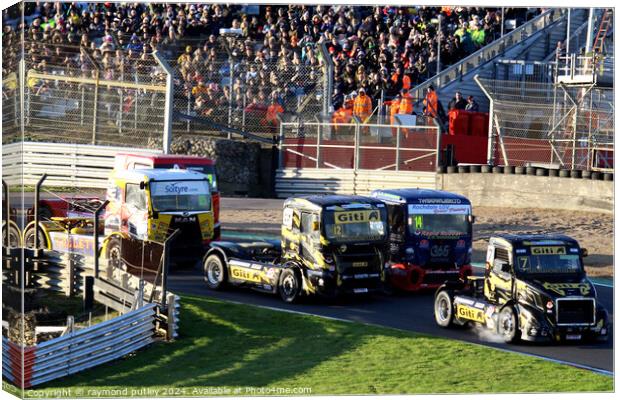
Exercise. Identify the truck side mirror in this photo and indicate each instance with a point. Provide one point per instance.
(471, 218)
(155, 214)
(142, 185)
(584, 252)
(315, 226)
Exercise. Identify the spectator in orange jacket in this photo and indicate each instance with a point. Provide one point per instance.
(344, 114)
(274, 109)
(362, 106)
(394, 109)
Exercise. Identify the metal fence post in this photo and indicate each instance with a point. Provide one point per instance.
(281, 145)
(328, 81)
(356, 151)
(37, 197)
(398, 146)
(96, 236)
(166, 251)
(168, 108)
(230, 93)
(318, 145)
(6, 203)
(95, 107)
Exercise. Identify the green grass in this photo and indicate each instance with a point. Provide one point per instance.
(231, 347)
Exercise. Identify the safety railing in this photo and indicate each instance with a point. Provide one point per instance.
(489, 52)
(78, 350)
(359, 146)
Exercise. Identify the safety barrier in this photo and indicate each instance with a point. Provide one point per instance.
(66, 165)
(293, 181)
(78, 350)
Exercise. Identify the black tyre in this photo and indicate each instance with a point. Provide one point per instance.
(29, 238)
(575, 173)
(541, 172)
(444, 309)
(586, 174)
(475, 168)
(608, 176)
(14, 238)
(441, 170)
(553, 172)
(451, 169)
(486, 169)
(509, 169)
(216, 274)
(564, 173)
(595, 176)
(114, 254)
(530, 171)
(464, 169)
(519, 170)
(289, 285)
(498, 170)
(507, 325)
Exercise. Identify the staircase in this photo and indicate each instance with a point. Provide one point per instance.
(604, 30)
(537, 46)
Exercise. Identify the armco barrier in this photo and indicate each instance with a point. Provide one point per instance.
(78, 350)
(292, 181)
(67, 165)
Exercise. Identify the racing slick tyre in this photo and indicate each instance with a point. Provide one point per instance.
(114, 254)
(289, 286)
(216, 274)
(29, 238)
(444, 309)
(508, 325)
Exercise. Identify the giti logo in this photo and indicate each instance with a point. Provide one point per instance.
(469, 313)
(548, 250)
(562, 288)
(355, 217)
(251, 276)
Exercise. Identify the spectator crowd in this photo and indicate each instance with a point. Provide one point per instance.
(262, 58)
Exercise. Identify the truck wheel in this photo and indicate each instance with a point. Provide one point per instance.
(114, 254)
(29, 238)
(444, 309)
(508, 325)
(215, 272)
(289, 286)
(14, 237)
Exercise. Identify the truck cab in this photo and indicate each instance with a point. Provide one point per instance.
(430, 239)
(338, 240)
(147, 205)
(330, 245)
(534, 288)
(206, 166)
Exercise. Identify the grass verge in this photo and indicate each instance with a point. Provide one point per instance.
(227, 348)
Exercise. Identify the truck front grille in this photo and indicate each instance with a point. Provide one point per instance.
(576, 311)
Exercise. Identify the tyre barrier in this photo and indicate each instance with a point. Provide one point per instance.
(541, 172)
(533, 171)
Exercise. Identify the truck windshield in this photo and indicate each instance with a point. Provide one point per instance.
(180, 196)
(439, 219)
(438, 224)
(358, 225)
(549, 264)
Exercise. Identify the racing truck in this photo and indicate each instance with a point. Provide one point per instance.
(430, 239)
(330, 245)
(203, 165)
(145, 206)
(534, 289)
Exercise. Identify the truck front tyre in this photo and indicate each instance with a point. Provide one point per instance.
(289, 286)
(29, 238)
(14, 237)
(444, 309)
(508, 325)
(215, 272)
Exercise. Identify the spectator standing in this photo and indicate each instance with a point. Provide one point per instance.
(472, 105)
(362, 106)
(457, 102)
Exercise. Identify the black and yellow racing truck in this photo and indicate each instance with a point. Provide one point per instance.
(534, 289)
(330, 245)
